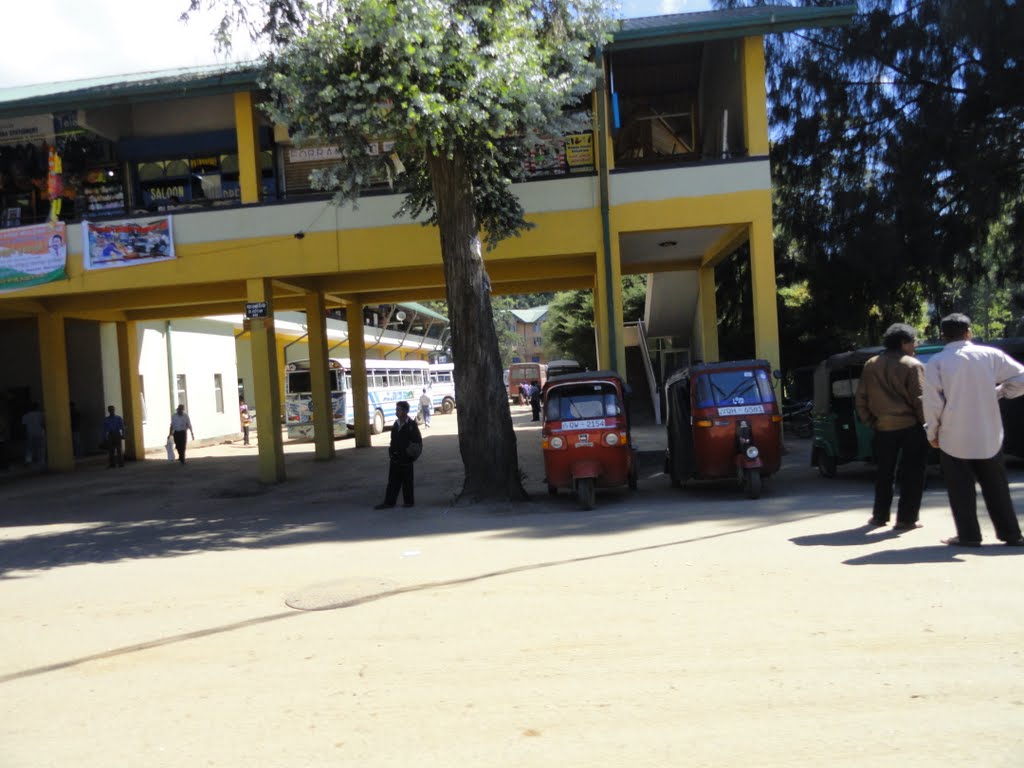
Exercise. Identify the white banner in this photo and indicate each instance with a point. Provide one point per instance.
(126, 243)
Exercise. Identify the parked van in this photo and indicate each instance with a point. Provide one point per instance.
(520, 373)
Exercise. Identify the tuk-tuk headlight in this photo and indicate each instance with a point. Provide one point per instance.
(612, 438)
(752, 452)
(556, 443)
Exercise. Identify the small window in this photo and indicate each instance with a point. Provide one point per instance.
(182, 388)
(218, 392)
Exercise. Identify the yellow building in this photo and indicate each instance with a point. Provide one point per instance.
(529, 327)
(673, 177)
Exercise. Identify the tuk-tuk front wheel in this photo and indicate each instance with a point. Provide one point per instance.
(752, 483)
(827, 465)
(586, 492)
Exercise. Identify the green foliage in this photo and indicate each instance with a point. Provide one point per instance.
(569, 327)
(478, 79)
(897, 154)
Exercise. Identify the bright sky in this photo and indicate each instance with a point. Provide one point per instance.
(55, 40)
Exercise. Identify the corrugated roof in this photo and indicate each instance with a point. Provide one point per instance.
(140, 86)
(734, 22)
(423, 310)
(218, 78)
(531, 315)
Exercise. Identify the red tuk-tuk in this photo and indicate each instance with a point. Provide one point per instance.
(586, 438)
(723, 422)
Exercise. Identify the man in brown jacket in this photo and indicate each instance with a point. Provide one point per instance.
(889, 401)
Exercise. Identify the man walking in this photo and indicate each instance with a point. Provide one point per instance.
(889, 401)
(963, 384)
(406, 446)
(113, 437)
(181, 427)
(426, 407)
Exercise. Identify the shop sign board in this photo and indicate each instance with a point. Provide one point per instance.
(126, 243)
(32, 255)
(19, 130)
(254, 309)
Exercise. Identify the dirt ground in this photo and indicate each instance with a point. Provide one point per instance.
(167, 615)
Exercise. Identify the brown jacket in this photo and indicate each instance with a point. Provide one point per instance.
(889, 392)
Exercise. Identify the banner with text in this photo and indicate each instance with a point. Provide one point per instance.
(32, 255)
(126, 244)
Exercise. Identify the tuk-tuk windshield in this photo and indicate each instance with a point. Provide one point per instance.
(593, 400)
(737, 387)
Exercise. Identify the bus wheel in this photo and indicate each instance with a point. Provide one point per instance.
(447, 405)
(377, 426)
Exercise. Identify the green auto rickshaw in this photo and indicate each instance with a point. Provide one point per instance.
(839, 435)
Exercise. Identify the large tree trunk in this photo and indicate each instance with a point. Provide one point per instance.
(486, 439)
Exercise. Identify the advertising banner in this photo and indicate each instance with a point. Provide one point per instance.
(126, 244)
(32, 255)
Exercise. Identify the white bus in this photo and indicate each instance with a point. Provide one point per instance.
(298, 399)
(387, 382)
(442, 386)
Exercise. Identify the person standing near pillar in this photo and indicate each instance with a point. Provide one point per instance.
(113, 438)
(246, 419)
(35, 435)
(963, 384)
(181, 428)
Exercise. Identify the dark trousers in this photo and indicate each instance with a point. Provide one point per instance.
(245, 434)
(907, 448)
(115, 450)
(180, 439)
(960, 475)
(399, 476)
(535, 407)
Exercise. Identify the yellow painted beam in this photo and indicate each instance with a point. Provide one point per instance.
(323, 407)
(708, 308)
(395, 297)
(764, 291)
(583, 282)
(267, 385)
(247, 135)
(131, 390)
(725, 245)
(359, 392)
(755, 99)
(707, 211)
(654, 266)
(151, 298)
(53, 360)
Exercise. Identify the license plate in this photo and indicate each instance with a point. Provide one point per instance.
(740, 410)
(584, 424)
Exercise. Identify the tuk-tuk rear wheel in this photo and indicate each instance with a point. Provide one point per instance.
(586, 492)
(827, 465)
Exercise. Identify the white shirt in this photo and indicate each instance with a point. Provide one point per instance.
(180, 422)
(962, 387)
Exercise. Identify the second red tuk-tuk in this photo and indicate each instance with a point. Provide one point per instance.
(723, 422)
(585, 433)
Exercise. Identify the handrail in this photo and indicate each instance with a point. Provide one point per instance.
(649, 368)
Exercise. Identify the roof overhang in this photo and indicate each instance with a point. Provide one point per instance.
(719, 25)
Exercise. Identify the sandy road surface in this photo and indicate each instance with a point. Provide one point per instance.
(162, 615)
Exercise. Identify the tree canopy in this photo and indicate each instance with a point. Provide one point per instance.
(898, 162)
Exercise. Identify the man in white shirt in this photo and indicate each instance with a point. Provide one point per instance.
(181, 428)
(963, 384)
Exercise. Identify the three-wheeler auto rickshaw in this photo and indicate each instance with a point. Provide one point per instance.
(839, 435)
(723, 422)
(586, 437)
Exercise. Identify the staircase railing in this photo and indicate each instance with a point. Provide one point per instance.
(652, 383)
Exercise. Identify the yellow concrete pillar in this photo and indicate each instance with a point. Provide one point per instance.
(357, 358)
(266, 383)
(53, 360)
(131, 389)
(708, 308)
(763, 290)
(323, 405)
(609, 295)
(247, 136)
(755, 98)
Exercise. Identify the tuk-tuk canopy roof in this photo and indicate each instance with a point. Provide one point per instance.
(585, 376)
(730, 365)
(854, 357)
